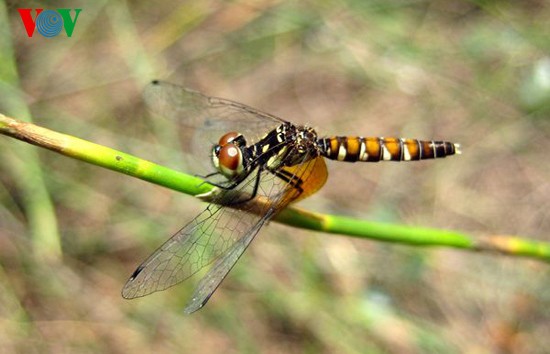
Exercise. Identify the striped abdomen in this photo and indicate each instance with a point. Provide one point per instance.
(352, 149)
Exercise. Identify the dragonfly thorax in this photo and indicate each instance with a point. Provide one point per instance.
(302, 142)
(228, 155)
(306, 140)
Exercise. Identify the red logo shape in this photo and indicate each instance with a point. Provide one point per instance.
(28, 21)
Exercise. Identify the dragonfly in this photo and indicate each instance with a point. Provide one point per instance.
(259, 164)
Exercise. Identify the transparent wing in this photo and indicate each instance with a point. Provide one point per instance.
(205, 119)
(195, 109)
(312, 175)
(219, 271)
(196, 245)
(219, 233)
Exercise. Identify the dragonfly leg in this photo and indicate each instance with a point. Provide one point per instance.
(207, 176)
(289, 178)
(229, 185)
(256, 183)
(254, 191)
(232, 184)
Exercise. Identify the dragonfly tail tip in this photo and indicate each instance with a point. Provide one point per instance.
(458, 151)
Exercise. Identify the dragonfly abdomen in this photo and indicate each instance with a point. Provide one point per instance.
(374, 149)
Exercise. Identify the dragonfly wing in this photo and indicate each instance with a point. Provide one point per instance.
(313, 177)
(205, 119)
(219, 271)
(185, 253)
(196, 110)
(312, 174)
(203, 240)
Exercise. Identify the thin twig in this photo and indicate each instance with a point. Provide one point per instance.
(148, 171)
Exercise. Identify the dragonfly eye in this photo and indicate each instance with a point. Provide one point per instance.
(230, 160)
(228, 138)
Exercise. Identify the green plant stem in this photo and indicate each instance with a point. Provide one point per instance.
(103, 156)
(148, 171)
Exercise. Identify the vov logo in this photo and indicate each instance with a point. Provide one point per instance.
(49, 22)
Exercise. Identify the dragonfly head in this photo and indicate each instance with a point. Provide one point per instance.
(227, 154)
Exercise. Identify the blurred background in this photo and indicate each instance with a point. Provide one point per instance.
(473, 72)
